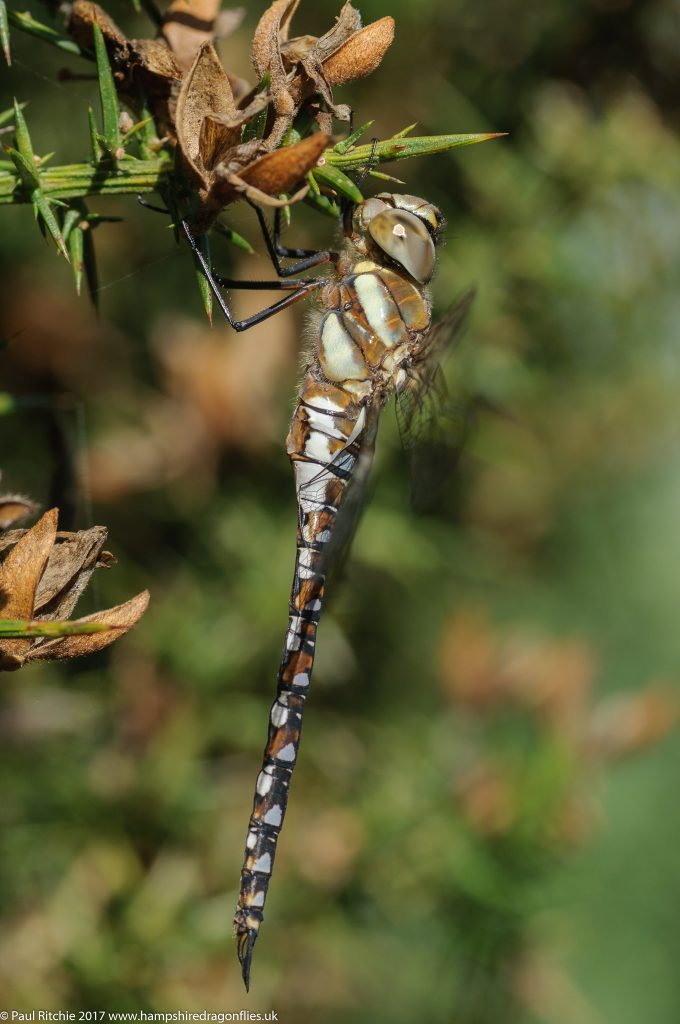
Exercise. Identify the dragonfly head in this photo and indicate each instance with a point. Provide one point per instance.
(403, 227)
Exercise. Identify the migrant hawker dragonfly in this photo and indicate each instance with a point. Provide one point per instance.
(374, 337)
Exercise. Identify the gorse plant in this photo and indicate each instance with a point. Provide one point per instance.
(175, 122)
(467, 839)
(43, 572)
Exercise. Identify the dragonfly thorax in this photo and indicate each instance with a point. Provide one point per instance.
(402, 227)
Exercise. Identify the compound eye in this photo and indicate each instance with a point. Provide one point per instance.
(405, 239)
(366, 211)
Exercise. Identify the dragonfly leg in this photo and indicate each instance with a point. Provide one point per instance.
(298, 289)
(307, 258)
(150, 206)
(285, 250)
(369, 165)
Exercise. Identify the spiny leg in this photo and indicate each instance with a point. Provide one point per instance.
(308, 258)
(370, 164)
(152, 206)
(285, 250)
(299, 289)
(312, 258)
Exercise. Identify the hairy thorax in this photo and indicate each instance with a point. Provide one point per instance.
(375, 318)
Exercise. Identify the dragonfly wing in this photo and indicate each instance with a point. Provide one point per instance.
(433, 423)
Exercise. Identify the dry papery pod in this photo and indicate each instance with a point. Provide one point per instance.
(42, 574)
(205, 109)
(301, 73)
(146, 65)
(155, 67)
(304, 67)
(187, 24)
(209, 123)
(14, 508)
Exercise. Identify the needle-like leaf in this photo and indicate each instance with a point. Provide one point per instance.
(381, 176)
(43, 209)
(8, 115)
(4, 32)
(346, 144)
(334, 178)
(27, 171)
(107, 93)
(405, 131)
(323, 204)
(71, 218)
(75, 250)
(403, 149)
(136, 128)
(146, 130)
(233, 236)
(203, 285)
(24, 144)
(255, 129)
(30, 179)
(27, 23)
(95, 148)
(90, 266)
(77, 229)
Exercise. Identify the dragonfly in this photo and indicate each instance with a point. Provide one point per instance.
(374, 338)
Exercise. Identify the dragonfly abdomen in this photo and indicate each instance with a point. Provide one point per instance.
(317, 510)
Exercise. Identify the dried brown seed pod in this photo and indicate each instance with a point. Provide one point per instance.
(272, 29)
(187, 24)
(361, 54)
(148, 63)
(120, 619)
(278, 172)
(205, 90)
(303, 66)
(192, 99)
(14, 508)
(84, 15)
(42, 575)
(209, 126)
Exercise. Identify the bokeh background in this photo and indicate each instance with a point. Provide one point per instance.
(484, 825)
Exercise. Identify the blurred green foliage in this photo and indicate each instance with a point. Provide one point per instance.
(455, 849)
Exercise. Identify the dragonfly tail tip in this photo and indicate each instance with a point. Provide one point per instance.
(246, 944)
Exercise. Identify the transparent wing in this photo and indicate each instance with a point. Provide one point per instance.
(433, 423)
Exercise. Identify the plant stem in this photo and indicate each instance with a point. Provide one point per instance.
(127, 177)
